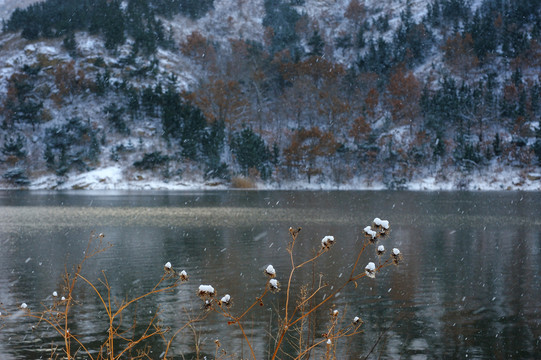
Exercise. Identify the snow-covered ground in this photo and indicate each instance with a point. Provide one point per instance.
(114, 178)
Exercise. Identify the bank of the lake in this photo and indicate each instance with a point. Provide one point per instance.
(115, 178)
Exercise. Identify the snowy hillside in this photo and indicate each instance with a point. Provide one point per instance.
(343, 94)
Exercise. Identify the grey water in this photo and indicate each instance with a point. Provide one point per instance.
(468, 287)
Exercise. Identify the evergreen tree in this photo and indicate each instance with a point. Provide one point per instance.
(14, 146)
(171, 108)
(193, 125)
(537, 144)
(212, 146)
(251, 152)
(281, 17)
(114, 26)
(70, 44)
(316, 44)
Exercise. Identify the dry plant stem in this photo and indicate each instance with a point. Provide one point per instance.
(112, 316)
(288, 321)
(257, 301)
(236, 320)
(247, 341)
(143, 337)
(189, 323)
(61, 332)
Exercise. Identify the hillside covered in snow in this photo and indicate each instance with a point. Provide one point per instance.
(351, 94)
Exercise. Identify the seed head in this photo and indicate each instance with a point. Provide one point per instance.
(327, 242)
(183, 275)
(370, 270)
(381, 250)
(397, 256)
(274, 285)
(357, 320)
(270, 272)
(370, 234)
(206, 291)
(167, 267)
(226, 300)
(382, 226)
(294, 232)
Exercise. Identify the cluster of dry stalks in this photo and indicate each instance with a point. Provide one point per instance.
(295, 322)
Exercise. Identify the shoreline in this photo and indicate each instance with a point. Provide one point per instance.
(112, 178)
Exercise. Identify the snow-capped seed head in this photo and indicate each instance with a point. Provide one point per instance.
(167, 266)
(24, 306)
(381, 250)
(206, 291)
(63, 298)
(382, 226)
(183, 275)
(208, 304)
(357, 320)
(397, 256)
(226, 300)
(327, 242)
(270, 272)
(55, 294)
(370, 270)
(329, 342)
(335, 313)
(274, 285)
(101, 235)
(371, 234)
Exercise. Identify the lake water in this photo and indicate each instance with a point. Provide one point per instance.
(469, 285)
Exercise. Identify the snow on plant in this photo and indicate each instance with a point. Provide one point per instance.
(370, 270)
(55, 294)
(225, 300)
(371, 234)
(168, 266)
(270, 272)
(381, 226)
(381, 250)
(274, 285)
(327, 242)
(183, 275)
(397, 256)
(206, 291)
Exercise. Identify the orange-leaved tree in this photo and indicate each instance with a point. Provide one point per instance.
(308, 150)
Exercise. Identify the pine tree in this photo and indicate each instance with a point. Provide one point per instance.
(316, 44)
(251, 152)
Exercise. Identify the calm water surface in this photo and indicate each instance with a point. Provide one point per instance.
(469, 286)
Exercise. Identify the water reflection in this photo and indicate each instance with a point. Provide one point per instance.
(469, 286)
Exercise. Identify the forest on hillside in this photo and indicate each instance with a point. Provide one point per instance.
(356, 94)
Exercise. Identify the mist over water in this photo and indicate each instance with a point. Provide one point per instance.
(469, 285)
